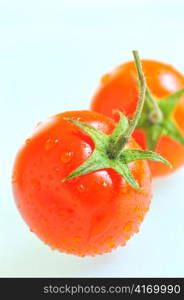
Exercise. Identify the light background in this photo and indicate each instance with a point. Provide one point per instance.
(52, 54)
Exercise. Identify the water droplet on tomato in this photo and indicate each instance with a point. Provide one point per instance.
(127, 237)
(105, 78)
(104, 183)
(128, 227)
(140, 218)
(14, 179)
(81, 187)
(138, 209)
(108, 240)
(137, 230)
(66, 157)
(27, 141)
(80, 253)
(111, 245)
(35, 184)
(56, 169)
(49, 144)
(123, 243)
(146, 209)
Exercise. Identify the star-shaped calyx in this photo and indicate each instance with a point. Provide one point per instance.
(110, 150)
(101, 157)
(157, 119)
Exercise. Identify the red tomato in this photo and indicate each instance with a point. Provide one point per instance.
(86, 215)
(118, 90)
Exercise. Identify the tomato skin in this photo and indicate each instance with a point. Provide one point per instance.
(117, 90)
(87, 215)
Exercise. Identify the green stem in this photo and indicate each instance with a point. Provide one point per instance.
(116, 146)
(156, 115)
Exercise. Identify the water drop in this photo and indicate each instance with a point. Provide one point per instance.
(146, 209)
(123, 243)
(49, 144)
(127, 237)
(111, 244)
(137, 230)
(128, 227)
(140, 218)
(105, 78)
(104, 183)
(14, 179)
(66, 157)
(27, 141)
(35, 184)
(81, 187)
(138, 209)
(56, 169)
(95, 250)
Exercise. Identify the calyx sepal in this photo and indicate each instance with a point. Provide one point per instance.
(100, 158)
(167, 126)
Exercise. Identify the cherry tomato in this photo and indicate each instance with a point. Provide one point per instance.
(118, 90)
(85, 215)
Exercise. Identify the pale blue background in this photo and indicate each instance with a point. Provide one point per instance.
(52, 54)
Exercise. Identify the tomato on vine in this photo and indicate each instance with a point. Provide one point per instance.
(82, 183)
(161, 127)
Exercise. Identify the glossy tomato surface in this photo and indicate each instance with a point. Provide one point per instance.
(117, 90)
(87, 215)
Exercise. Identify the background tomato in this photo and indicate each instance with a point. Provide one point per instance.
(118, 90)
(86, 215)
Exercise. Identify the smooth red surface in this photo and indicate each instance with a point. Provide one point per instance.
(117, 90)
(87, 215)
